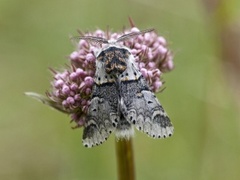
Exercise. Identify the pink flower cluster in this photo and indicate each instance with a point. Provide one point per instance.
(71, 88)
(153, 57)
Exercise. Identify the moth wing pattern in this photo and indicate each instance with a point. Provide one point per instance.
(103, 115)
(140, 106)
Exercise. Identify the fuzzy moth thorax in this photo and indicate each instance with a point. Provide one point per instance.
(115, 59)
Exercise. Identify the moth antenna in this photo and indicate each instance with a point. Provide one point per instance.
(98, 40)
(133, 34)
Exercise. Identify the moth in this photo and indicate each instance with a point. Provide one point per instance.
(121, 97)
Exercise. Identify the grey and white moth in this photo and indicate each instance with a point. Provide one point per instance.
(121, 97)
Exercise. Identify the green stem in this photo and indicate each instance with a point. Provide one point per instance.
(125, 161)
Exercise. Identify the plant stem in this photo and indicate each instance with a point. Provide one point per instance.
(125, 160)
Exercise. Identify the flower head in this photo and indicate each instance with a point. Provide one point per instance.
(72, 87)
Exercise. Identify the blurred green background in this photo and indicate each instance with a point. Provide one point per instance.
(202, 95)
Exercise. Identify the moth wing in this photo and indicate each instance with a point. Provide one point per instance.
(140, 106)
(98, 125)
(103, 115)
